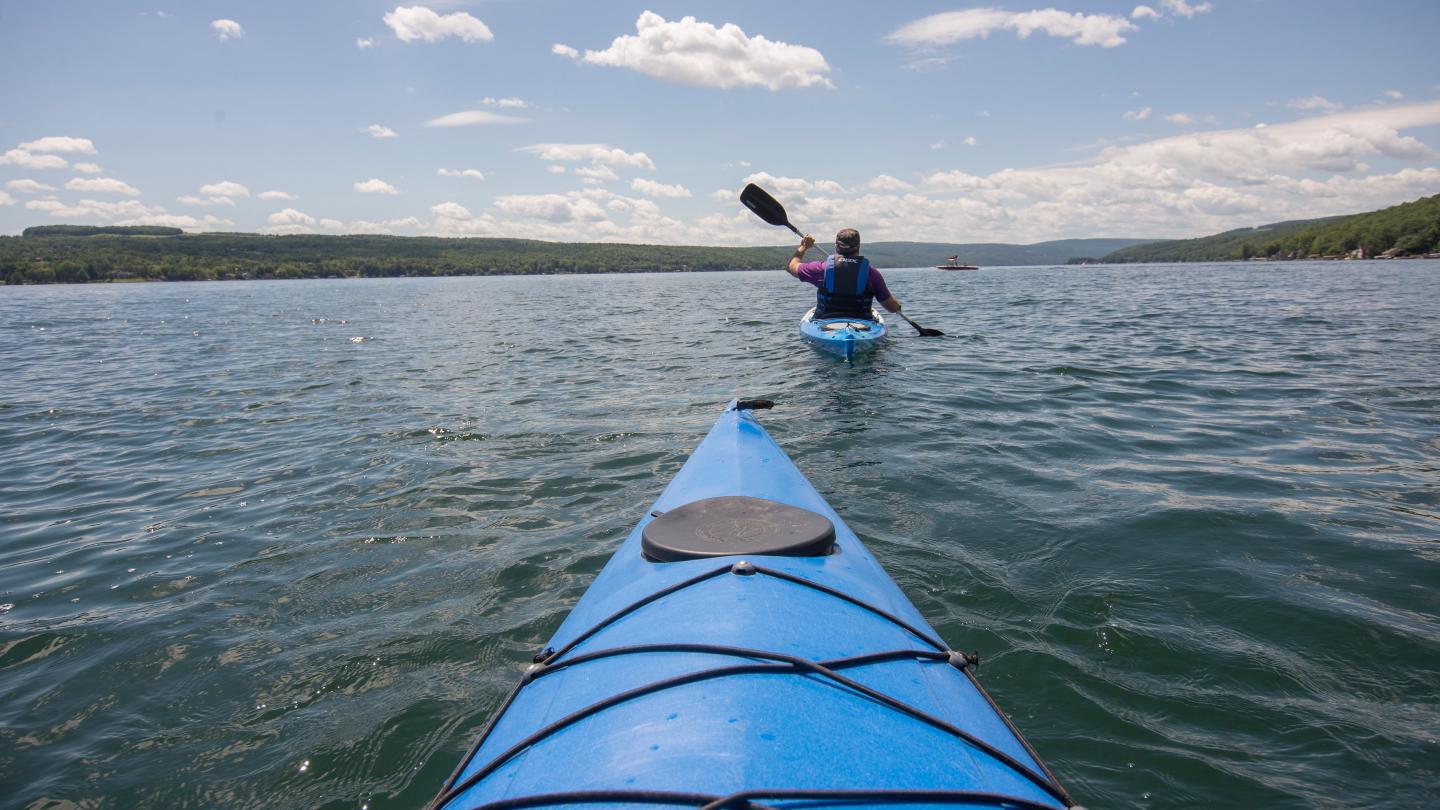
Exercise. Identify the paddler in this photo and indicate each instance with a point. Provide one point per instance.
(846, 286)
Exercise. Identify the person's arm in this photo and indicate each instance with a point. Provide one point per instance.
(794, 267)
(881, 291)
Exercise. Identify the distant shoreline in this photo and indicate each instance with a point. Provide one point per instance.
(80, 254)
(640, 271)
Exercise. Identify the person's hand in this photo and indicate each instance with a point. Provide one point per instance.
(807, 242)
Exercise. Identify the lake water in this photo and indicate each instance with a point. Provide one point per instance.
(288, 544)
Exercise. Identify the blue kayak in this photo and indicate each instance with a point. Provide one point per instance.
(743, 649)
(845, 337)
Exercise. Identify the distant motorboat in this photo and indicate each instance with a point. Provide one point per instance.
(954, 263)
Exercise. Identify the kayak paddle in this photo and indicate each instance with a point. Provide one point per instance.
(769, 209)
(924, 332)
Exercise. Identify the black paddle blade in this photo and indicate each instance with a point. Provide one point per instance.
(764, 206)
(923, 331)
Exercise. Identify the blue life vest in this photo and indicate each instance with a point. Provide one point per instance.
(845, 292)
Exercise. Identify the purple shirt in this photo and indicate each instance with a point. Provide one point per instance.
(814, 273)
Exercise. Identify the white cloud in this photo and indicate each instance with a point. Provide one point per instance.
(512, 102)
(550, 207)
(793, 185)
(1138, 115)
(1185, 185)
(467, 118)
(885, 182)
(1144, 13)
(473, 174)
(687, 51)
(88, 168)
(28, 186)
(190, 199)
(1184, 9)
(971, 141)
(594, 175)
(59, 143)
(451, 210)
(949, 27)
(48, 204)
(364, 42)
(564, 50)
(1394, 95)
(24, 159)
(1314, 103)
(1180, 118)
(555, 169)
(420, 24)
(387, 227)
(375, 186)
(6, 199)
(290, 217)
(183, 221)
(1333, 143)
(92, 208)
(955, 181)
(592, 152)
(103, 185)
(929, 63)
(225, 188)
(650, 188)
(227, 29)
(453, 219)
(591, 214)
(377, 131)
(937, 146)
(277, 195)
(292, 221)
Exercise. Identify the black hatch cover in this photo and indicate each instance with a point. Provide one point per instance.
(737, 524)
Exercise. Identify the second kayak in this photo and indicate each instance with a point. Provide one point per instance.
(845, 337)
(743, 649)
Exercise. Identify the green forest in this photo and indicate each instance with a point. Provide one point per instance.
(1408, 229)
(73, 254)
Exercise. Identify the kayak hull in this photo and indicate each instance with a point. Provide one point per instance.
(775, 675)
(843, 337)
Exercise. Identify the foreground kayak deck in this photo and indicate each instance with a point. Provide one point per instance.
(748, 679)
(845, 337)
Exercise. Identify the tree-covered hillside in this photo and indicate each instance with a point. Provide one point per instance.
(1408, 229)
(77, 254)
(929, 254)
(97, 230)
(208, 256)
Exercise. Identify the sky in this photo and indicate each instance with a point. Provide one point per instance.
(578, 120)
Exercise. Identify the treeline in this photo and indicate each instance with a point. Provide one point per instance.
(96, 230)
(71, 259)
(988, 254)
(1408, 229)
